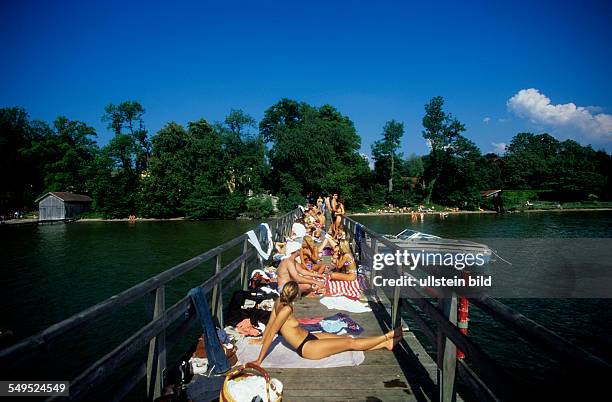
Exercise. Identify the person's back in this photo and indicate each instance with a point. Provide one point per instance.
(283, 272)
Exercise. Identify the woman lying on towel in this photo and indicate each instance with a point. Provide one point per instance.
(314, 346)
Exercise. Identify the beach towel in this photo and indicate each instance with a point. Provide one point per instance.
(282, 355)
(267, 235)
(350, 289)
(346, 304)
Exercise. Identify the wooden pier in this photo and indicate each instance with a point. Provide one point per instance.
(408, 373)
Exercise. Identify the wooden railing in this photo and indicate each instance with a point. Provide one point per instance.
(478, 371)
(153, 335)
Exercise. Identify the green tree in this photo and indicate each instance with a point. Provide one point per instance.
(244, 153)
(170, 175)
(313, 150)
(441, 132)
(122, 162)
(530, 161)
(413, 166)
(384, 151)
(20, 180)
(126, 121)
(239, 122)
(211, 195)
(71, 150)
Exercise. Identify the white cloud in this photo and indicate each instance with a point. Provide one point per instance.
(369, 160)
(486, 120)
(502, 120)
(428, 143)
(535, 106)
(499, 147)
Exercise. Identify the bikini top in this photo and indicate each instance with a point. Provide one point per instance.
(347, 264)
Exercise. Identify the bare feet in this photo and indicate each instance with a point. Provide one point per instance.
(393, 337)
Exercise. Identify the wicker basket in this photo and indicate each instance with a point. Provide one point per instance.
(245, 371)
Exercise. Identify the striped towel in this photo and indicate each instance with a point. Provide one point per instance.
(350, 289)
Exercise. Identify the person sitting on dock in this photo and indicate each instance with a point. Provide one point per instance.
(309, 255)
(289, 270)
(314, 346)
(346, 268)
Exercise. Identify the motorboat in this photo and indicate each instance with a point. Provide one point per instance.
(419, 242)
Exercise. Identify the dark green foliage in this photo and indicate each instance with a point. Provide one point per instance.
(208, 170)
(170, 175)
(126, 120)
(451, 170)
(21, 181)
(122, 162)
(36, 158)
(259, 207)
(314, 150)
(413, 166)
(385, 154)
(542, 162)
(73, 151)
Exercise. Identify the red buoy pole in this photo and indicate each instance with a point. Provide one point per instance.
(462, 321)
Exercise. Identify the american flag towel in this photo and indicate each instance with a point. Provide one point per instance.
(350, 289)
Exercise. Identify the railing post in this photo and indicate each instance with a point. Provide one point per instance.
(244, 272)
(156, 359)
(217, 294)
(395, 307)
(374, 252)
(447, 352)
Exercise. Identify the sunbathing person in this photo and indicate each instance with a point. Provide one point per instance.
(289, 270)
(314, 346)
(346, 268)
(315, 267)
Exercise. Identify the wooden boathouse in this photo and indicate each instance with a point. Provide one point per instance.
(419, 369)
(62, 205)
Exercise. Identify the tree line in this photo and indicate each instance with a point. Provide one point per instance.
(209, 170)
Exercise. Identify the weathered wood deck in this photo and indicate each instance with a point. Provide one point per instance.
(406, 374)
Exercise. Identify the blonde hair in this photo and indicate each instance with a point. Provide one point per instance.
(345, 248)
(289, 292)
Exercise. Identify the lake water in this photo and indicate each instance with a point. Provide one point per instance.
(53, 271)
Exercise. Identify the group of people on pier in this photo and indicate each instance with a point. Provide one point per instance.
(317, 250)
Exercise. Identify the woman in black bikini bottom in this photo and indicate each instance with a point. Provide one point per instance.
(310, 346)
(309, 337)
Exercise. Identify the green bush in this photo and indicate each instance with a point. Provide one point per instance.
(259, 207)
(517, 199)
(287, 202)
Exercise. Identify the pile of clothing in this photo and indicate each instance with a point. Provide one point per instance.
(249, 311)
(340, 324)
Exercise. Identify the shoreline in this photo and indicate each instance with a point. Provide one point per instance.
(17, 222)
(478, 212)
(180, 218)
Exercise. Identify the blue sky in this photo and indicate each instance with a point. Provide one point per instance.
(374, 61)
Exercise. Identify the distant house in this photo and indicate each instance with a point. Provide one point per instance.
(58, 205)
